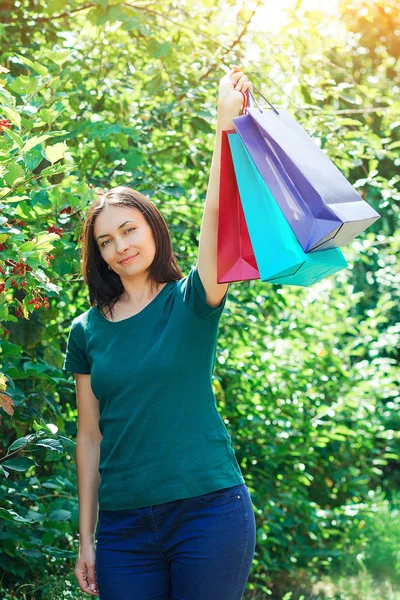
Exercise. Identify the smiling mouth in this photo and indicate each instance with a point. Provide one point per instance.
(126, 260)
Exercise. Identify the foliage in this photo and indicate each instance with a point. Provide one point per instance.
(307, 380)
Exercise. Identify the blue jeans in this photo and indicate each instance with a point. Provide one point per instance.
(198, 548)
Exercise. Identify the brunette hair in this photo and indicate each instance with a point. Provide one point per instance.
(105, 286)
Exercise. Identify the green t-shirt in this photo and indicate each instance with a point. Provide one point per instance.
(163, 437)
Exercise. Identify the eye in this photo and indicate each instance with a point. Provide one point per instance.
(126, 231)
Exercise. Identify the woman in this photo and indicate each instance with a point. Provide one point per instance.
(154, 461)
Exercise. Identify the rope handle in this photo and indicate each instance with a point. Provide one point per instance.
(246, 101)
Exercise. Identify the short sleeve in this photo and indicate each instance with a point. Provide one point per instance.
(75, 355)
(194, 296)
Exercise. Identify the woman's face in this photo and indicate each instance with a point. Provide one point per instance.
(126, 233)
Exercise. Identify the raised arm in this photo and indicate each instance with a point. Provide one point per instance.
(230, 101)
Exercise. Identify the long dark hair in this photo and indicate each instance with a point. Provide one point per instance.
(105, 286)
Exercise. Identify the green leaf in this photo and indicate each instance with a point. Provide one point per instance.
(13, 174)
(158, 50)
(133, 160)
(53, 170)
(12, 115)
(6, 145)
(202, 124)
(56, 6)
(343, 430)
(40, 197)
(60, 515)
(15, 137)
(51, 444)
(56, 152)
(11, 515)
(6, 98)
(4, 472)
(153, 86)
(131, 24)
(58, 57)
(24, 85)
(27, 246)
(12, 199)
(37, 139)
(393, 145)
(32, 65)
(19, 463)
(20, 442)
(33, 158)
(48, 115)
(43, 242)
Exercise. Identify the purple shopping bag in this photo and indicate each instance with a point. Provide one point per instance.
(319, 203)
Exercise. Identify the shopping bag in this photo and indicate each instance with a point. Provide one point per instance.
(279, 255)
(235, 256)
(321, 206)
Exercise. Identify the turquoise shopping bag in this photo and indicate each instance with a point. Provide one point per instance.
(279, 255)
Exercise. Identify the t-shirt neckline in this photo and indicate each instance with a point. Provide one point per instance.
(140, 313)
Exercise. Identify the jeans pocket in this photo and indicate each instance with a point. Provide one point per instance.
(223, 496)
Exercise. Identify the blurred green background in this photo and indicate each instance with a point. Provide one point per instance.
(102, 93)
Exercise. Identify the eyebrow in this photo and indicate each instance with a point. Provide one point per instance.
(120, 227)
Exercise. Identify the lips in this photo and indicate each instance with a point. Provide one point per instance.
(128, 259)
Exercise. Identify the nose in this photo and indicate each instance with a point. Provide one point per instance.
(122, 246)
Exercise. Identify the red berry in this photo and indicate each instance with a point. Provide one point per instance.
(5, 123)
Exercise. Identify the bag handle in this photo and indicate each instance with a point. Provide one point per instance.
(246, 103)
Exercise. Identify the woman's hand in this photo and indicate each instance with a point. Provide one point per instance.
(85, 570)
(230, 100)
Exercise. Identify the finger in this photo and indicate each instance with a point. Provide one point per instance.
(236, 76)
(235, 73)
(240, 83)
(83, 583)
(92, 576)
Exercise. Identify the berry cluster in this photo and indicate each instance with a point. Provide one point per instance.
(67, 210)
(3, 247)
(5, 123)
(15, 283)
(54, 229)
(19, 222)
(20, 268)
(36, 301)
